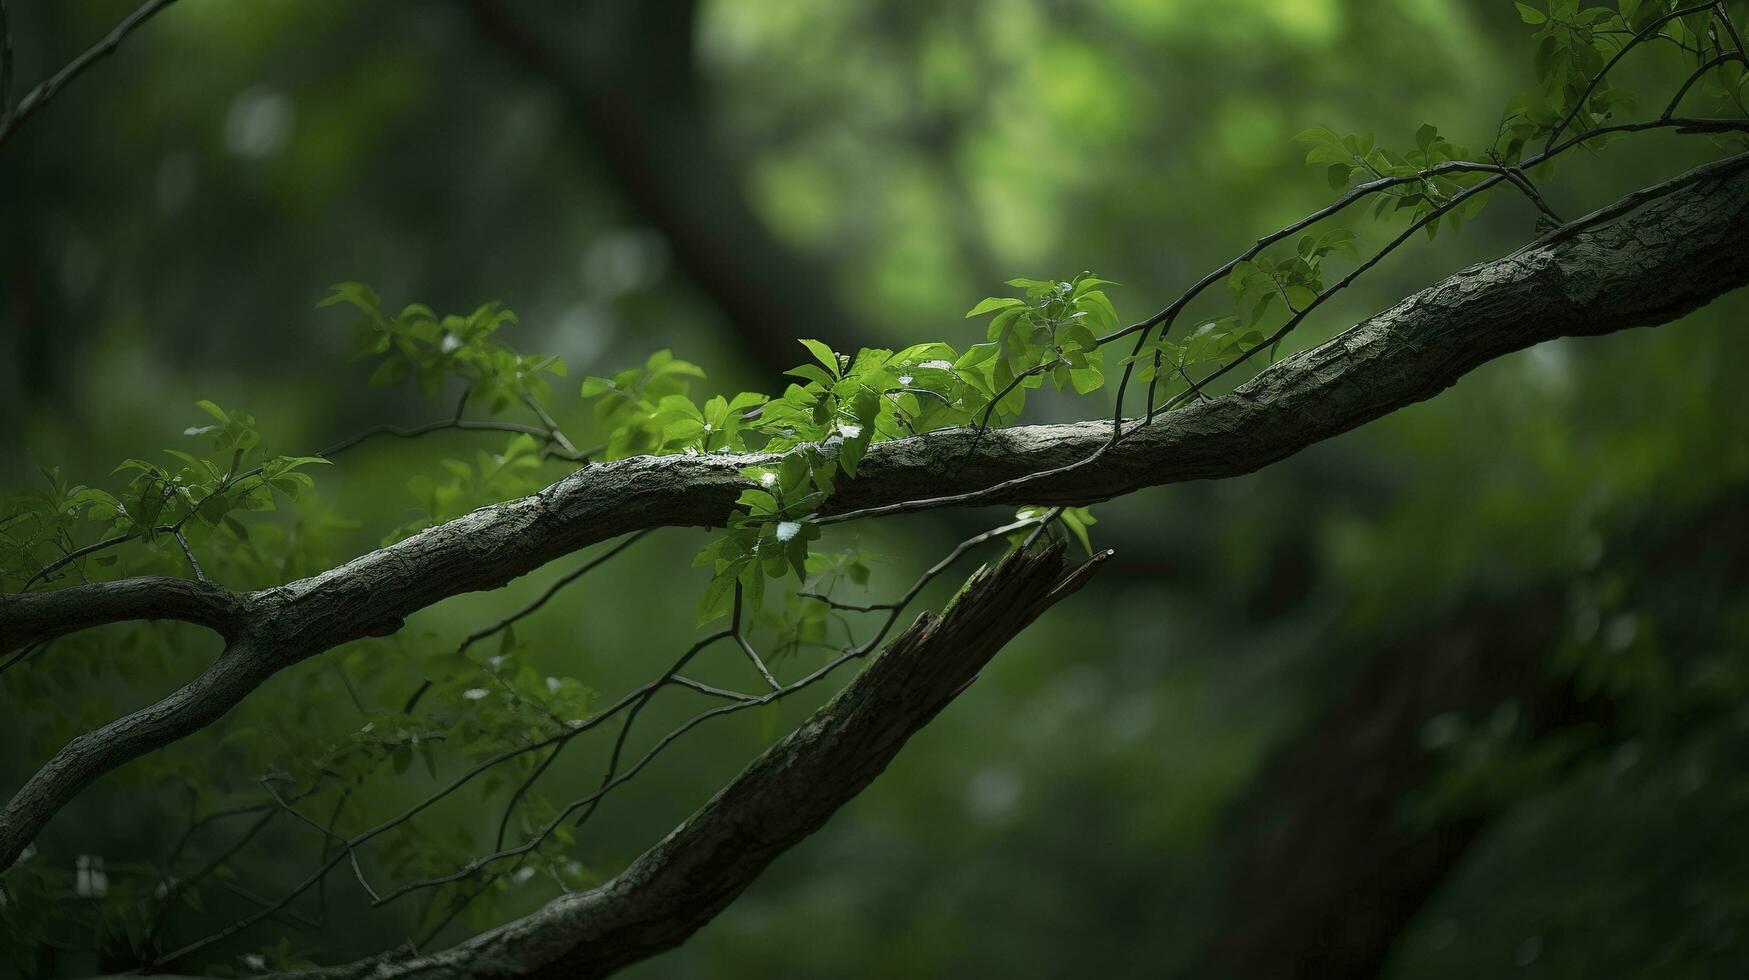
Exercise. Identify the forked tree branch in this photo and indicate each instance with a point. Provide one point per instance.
(783, 796)
(1677, 253)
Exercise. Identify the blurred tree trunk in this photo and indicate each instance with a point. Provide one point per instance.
(1325, 872)
(629, 82)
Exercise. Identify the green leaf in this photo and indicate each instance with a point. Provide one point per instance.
(1086, 282)
(812, 372)
(1076, 520)
(1530, 14)
(990, 304)
(355, 293)
(758, 502)
(752, 588)
(1320, 135)
(1088, 379)
(825, 356)
(718, 598)
(976, 354)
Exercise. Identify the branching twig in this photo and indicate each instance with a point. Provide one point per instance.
(231, 481)
(898, 605)
(464, 425)
(1697, 75)
(747, 648)
(783, 795)
(1419, 348)
(715, 692)
(327, 834)
(187, 552)
(541, 600)
(1646, 33)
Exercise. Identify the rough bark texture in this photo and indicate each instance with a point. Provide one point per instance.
(783, 796)
(34, 617)
(1673, 256)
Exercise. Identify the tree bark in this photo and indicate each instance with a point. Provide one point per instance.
(1674, 255)
(783, 796)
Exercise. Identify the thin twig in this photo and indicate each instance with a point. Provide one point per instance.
(38, 97)
(1646, 33)
(1697, 75)
(187, 552)
(1730, 27)
(613, 778)
(327, 834)
(412, 432)
(747, 648)
(24, 654)
(715, 692)
(553, 433)
(929, 575)
(290, 915)
(521, 789)
(543, 599)
(399, 432)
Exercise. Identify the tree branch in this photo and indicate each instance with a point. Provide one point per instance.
(38, 97)
(786, 794)
(32, 617)
(1673, 257)
(1677, 253)
(204, 700)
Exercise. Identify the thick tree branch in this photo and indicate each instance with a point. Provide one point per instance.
(32, 617)
(197, 704)
(783, 796)
(1674, 255)
(1652, 267)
